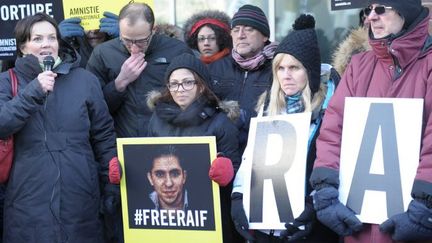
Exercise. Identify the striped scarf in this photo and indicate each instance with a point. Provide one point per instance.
(294, 103)
(256, 61)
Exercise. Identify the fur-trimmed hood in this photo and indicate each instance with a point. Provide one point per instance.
(214, 14)
(230, 107)
(357, 41)
(170, 30)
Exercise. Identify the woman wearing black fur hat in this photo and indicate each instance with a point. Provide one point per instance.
(208, 33)
(187, 107)
(297, 87)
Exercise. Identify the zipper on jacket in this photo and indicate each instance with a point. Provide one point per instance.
(397, 72)
(243, 84)
(44, 118)
(397, 69)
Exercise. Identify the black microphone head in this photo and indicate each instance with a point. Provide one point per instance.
(48, 63)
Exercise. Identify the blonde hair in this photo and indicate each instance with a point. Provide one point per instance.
(277, 104)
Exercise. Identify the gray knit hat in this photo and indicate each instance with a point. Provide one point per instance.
(251, 16)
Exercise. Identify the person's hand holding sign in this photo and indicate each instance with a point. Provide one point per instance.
(110, 24)
(221, 170)
(238, 216)
(332, 213)
(414, 224)
(71, 27)
(303, 225)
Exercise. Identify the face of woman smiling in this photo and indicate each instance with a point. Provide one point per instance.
(43, 41)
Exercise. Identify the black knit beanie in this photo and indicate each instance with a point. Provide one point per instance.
(302, 43)
(190, 62)
(408, 9)
(251, 16)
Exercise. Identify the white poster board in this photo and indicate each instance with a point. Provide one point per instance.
(275, 157)
(379, 155)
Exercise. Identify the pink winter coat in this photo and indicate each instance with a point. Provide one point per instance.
(399, 69)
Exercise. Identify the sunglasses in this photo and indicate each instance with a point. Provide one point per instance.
(378, 9)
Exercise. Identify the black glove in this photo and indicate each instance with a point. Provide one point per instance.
(303, 225)
(412, 225)
(110, 199)
(238, 216)
(332, 213)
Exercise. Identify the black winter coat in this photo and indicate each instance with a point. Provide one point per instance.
(63, 143)
(230, 82)
(130, 112)
(199, 119)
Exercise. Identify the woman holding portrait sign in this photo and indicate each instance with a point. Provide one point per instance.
(187, 107)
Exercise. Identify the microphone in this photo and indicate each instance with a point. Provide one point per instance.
(48, 63)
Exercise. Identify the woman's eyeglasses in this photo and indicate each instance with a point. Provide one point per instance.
(378, 9)
(202, 39)
(186, 85)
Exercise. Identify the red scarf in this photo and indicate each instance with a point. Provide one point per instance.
(215, 57)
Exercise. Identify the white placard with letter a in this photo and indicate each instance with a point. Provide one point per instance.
(380, 152)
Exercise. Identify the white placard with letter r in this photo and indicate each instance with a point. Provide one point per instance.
(275, 157)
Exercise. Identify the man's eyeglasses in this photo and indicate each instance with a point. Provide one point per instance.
(187, 85)
(378, 9)
(140, 43)
(202, 39)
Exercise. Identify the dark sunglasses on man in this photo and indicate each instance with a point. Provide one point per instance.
(378, 9)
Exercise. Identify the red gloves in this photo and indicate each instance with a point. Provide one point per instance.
(221, 171)
(115, 171)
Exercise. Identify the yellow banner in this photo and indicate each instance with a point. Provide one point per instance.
(91, 11)
(166, 193)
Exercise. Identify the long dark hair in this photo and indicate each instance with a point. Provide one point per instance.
(211, 98)
(24, 27)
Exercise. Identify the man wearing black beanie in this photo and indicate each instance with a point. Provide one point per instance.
(407, 9)
(397, 66)
(246, 73)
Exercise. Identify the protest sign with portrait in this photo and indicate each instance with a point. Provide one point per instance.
(167, 195)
